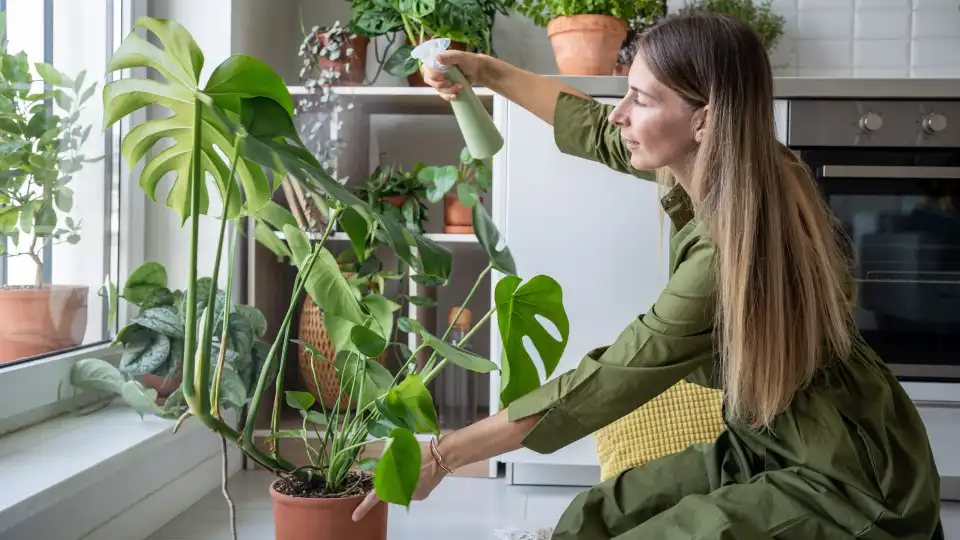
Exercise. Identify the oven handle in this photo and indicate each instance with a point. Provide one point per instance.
(883, 171)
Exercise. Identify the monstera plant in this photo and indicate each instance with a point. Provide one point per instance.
(245, 112)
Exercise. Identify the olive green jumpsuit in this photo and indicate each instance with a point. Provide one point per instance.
(849, 458)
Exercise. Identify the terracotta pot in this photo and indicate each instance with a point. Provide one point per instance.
(587, 44)
(299, 518)
(164, 387)
(396, 200)
(457, 218)
(416, 78)
(40, 321)
(357, 61)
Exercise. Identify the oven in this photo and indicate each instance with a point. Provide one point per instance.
(890, 170)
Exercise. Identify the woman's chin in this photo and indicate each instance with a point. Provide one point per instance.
(641, 164)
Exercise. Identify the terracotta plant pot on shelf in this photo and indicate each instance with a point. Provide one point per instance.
(296, 518)
(587, 44)
(357, 61)
(457, 218)
(41, 320)
(416, 78)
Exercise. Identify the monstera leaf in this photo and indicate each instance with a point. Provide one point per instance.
(202, 119)
(518, 307)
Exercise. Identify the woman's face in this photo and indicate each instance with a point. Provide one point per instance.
(660, 129)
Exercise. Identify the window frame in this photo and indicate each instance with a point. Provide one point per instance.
(36, 390)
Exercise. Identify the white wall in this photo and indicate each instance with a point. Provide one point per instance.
(868, 38)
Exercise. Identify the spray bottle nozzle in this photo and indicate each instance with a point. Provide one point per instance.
(427, 52)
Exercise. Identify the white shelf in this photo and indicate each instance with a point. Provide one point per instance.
(397, 99)
(439, 238)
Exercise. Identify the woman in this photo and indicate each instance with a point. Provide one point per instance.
(821, 440)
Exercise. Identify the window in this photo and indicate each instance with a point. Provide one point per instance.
(59, 178)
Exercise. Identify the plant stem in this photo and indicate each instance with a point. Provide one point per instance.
(433, 373)
(223, 487)
(358, 445)
(38, 276)
(190, 332)
(214, 396)
(446, 333)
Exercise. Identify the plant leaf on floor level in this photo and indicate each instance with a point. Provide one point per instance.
(399, 469)
(517, 309)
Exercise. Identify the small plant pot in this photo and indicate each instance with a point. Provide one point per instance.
(587, 44)
(457, 218)
(163, 386)
(299, 518)
(416, 78)
(396, 200)
(357, 61)
(41, 320)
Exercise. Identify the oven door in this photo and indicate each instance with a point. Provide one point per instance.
(903, 227)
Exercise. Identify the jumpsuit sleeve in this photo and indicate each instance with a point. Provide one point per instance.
(581, 129)
(653, 353)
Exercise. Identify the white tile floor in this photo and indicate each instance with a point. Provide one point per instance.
(460, 508)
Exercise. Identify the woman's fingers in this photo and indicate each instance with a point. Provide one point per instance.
(366, 505)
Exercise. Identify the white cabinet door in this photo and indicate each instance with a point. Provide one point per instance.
(594, 230)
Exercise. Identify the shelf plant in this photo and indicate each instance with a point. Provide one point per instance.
(468, 24)
(758, 14)
(398, 193)
(470, 176)
(40, 154)
(245, 110)
(599, 26)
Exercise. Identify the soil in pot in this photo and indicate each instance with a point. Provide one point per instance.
(416, 78)
(587, 44)
(41, 320)
(457, 218)
(304, 510)
(357, 61)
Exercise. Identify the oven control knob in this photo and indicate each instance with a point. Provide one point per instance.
(871, 122)
(934, 123)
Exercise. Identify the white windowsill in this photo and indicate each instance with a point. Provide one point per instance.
(46, 463)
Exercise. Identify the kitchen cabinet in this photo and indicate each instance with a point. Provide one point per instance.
(599, 233)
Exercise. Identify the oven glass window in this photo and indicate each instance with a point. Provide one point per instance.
(906, 254)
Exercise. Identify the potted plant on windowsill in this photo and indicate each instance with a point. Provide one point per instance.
(152, 342)
(471, 177)
(758, 14)
(40, 140)
(586, 34)
(247, 109)
(467, 23)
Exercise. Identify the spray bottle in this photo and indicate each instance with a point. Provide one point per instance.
(479, 132)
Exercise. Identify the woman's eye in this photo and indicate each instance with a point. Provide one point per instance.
(639, 103)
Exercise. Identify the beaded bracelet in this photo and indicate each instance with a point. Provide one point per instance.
(437, 457)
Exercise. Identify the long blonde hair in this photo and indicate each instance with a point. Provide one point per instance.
(782, 307)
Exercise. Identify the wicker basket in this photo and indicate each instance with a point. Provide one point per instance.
(327, 384)
(684, 414)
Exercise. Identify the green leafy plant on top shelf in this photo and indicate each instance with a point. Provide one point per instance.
(40, 139)
(246, 111)
(758, 14)
(542, 12)
(469, 22)
(153, 344)
(470, 176)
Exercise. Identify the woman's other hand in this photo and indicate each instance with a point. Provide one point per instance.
(430, 475)
(470, 64)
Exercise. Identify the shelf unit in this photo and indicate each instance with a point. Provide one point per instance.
(384, 125)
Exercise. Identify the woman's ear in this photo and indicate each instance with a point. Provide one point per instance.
(700, 123)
